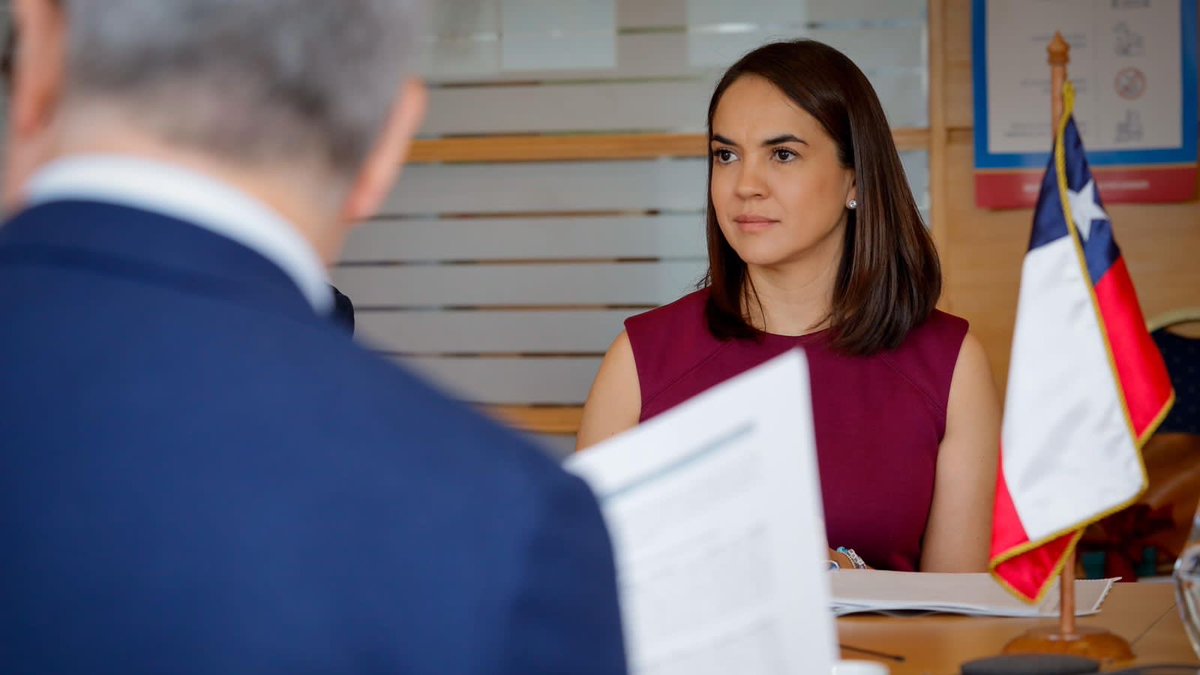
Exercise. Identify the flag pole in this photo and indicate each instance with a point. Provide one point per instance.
(1058, 55)
(1066, 605)
(1068, 638)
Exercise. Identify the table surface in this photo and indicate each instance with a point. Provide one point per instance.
(1142, 613)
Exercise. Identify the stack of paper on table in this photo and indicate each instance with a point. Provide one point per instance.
(979, 594)
(714, 510)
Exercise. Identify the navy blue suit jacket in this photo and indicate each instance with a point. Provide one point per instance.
(200, 475)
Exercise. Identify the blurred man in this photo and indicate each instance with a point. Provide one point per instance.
(199, 471)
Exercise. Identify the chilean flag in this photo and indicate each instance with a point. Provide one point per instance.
(1086, 385)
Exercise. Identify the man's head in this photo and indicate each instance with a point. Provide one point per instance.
(312, 91)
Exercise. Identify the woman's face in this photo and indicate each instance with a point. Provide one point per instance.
(778, 188)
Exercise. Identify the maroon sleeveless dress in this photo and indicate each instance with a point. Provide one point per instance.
(879, 420)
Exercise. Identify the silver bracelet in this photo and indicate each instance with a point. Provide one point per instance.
(855, 559)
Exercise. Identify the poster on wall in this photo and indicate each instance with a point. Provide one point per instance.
(1133, 63)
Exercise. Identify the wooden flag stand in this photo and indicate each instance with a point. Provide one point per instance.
(1067, 638)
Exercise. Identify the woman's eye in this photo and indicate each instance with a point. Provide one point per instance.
(723, 156)
(784, 155)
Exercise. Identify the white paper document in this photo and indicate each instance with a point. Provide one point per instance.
(715, 515)
(979, 594)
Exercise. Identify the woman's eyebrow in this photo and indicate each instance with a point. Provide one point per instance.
(784, 138)
(774, 140)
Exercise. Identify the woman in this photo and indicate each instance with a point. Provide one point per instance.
(814, 241)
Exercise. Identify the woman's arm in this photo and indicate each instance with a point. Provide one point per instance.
(615, 402)
(959, 533)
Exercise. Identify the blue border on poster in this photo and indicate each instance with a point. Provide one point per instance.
(1185, 154)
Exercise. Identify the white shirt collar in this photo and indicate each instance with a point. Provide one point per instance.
(190, 196)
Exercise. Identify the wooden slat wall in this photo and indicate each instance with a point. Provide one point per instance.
(542, 208)
(982, 250)
(531, 148)
(550, 187)
(525, 238)
(520, 285)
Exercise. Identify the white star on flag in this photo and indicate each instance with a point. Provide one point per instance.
(1084, 209)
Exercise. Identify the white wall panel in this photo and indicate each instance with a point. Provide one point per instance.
(878, 48)
(559, 108)
(511, 380)
(916, 169)
(558, 34)
(491, 332)
(865, 10)
(666, 55)
(426, 189)
(622, 284)
(651, 13)
(464, 39)
(904, 95)
(639, 56)
(546, 238)
(673, 13)
(710, 13)
(879, 52)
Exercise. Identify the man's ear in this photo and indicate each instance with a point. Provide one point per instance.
(382, 167)
(39, 66)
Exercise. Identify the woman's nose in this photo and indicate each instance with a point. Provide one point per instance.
(750, 182)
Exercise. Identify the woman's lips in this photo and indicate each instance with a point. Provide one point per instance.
(754, 223)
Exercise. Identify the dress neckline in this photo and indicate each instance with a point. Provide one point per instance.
(816, 336)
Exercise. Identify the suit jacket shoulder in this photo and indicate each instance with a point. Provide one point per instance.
(207, 477)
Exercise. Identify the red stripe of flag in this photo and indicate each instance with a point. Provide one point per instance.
(1027, 572)
(1144, 378)
(1007, 531)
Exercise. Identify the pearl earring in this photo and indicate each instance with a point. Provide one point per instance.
(852, 204)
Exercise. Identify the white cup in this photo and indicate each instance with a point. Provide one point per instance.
(856, 667)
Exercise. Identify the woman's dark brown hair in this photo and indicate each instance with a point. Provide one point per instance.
(889, 278)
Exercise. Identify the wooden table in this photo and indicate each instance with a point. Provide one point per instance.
(1142, 613)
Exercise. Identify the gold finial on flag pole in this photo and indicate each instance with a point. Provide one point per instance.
(1058, 55)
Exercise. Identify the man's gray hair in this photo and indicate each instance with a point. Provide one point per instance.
(254, 81)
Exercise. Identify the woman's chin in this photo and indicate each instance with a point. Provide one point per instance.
(765, 256)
